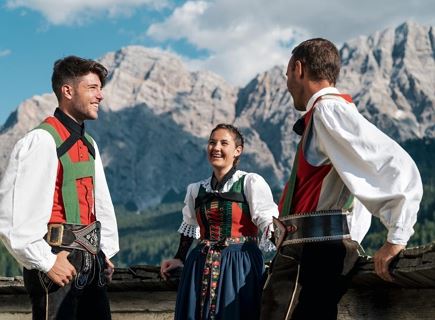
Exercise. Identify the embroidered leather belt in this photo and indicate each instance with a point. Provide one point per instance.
(75, 236)
(311, 227)
(211, 272)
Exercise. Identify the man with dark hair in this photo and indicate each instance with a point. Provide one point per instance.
(56, 214)
(345, 169)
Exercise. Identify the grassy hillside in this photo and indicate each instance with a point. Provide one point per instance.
(149, 236)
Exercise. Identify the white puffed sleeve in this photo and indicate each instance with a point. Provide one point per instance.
(262, 207)
(189, 226)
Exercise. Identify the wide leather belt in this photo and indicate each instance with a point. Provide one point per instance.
(311, 227)
(75, 236)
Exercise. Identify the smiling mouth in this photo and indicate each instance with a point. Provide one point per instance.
(215, 156)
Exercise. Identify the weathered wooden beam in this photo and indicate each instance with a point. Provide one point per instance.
(138, 292)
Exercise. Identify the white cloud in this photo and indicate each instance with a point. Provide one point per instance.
(70, 12)
(245, 37)
(4, 53)
(239, 44)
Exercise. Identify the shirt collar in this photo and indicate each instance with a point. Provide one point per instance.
(77, 132)
(69, 123)
(215, 185)
(320, 93)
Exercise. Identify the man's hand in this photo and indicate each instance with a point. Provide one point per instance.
(168, 265)
(62, 271)
(109, 270)
(383, 257)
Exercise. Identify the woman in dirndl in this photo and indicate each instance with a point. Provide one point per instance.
(222, 276)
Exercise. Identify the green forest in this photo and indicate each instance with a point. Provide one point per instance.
(149, 236)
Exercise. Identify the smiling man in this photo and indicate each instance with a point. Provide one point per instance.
(56, 214)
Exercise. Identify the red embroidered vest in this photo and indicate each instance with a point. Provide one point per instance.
(219, 219)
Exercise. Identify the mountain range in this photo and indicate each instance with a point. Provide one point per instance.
(156, 116)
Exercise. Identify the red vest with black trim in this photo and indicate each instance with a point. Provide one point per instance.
(314, 188)
(73, 200)
(220, 218)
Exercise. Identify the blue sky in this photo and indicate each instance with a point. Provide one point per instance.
(234, 38)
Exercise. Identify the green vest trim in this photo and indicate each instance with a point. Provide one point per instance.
(286, 207)
(72, 171)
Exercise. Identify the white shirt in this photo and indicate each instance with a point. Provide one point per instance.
(257, 193)
(26, 201)
(378, 172)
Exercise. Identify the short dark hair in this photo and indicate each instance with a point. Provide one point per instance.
(320, 57)
(238, 137)
(72, 67)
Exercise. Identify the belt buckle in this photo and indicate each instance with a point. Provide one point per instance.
(55, 234)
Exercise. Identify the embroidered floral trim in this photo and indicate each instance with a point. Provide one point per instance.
(211, 272)
(189, 230)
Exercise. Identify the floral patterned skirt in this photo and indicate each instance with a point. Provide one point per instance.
(221, 283)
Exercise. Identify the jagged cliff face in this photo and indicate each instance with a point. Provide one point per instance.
(156, 116)
(391, 76)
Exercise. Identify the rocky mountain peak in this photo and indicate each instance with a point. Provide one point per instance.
(161, 82)
(391, 75)
(141, 75)
(156, 116)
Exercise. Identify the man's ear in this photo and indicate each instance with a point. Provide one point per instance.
(67, 91)
(299, 69)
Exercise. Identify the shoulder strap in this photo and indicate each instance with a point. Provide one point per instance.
(71, 172)
(287, 195)
(62, 146)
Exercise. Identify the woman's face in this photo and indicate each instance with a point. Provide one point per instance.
(222, 150)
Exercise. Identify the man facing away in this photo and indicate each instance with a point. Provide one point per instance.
(345, 168)
(56, 214)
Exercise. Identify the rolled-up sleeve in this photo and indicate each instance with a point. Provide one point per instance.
(375, 168)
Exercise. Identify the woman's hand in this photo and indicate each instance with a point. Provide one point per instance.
(168, 265)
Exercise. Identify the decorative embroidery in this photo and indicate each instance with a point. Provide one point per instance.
(88, 237)
(84, 276)
(100, 265)
(215, 219)
(211, 272)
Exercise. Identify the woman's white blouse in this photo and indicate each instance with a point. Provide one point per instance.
(257, 193)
